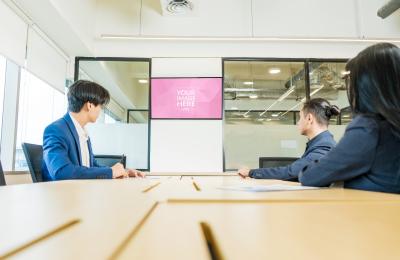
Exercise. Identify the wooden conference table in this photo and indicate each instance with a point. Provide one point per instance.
(193, 216)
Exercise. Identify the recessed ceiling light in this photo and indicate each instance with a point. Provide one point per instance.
(274, 70)
(143, 81)
(253, 96)
(275, 115)
(234, 108)
(248, 83)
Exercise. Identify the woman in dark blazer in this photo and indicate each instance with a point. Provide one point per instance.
(368, 155)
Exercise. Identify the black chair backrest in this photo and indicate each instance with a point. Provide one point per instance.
(110, 160)
(267, 162)
(2, 179)
(34, 158)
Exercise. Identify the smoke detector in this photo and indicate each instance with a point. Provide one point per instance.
(176, 7)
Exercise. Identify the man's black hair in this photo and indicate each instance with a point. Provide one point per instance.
(321, 109)
(83, 91)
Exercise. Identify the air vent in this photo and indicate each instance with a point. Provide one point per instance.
(179, 6)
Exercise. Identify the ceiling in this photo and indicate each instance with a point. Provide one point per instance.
(79, 27)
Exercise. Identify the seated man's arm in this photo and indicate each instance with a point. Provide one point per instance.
(290, 172)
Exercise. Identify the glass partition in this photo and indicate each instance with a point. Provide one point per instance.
(326, 81)
(2, 84)
(262, 100)
(126, 117)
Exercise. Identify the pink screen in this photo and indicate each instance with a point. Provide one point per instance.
(186, 98)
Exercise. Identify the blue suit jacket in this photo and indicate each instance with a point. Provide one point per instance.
(62, 154)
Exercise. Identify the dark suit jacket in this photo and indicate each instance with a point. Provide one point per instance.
(316, 148)
(367, 158)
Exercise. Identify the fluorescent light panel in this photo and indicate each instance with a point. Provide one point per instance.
(239, 89)
(274, 70)
(287, 93)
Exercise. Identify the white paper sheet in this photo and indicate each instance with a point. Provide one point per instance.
(264, 188)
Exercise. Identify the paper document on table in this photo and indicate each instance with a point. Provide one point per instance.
(152, 177)
(262, 188)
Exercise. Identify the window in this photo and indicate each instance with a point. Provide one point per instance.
(262, 100)
(127, 114)
(3, 63)
(39, 105)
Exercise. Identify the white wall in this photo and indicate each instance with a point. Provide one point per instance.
(305, 18)
(79, 16)
(372, 26)
(45, 62)
(186, 145)
(344, 19)
(62, 21)
(77, 26)
(248, 18)
(118, 139)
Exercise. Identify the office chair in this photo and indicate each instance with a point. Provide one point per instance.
(34, 158)
(2, 179)
(110, 160)
(267, 162)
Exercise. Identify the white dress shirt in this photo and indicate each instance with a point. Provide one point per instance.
(83, 142)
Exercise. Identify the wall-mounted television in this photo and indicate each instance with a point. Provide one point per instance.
(186, 98)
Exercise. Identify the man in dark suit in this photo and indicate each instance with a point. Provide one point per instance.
(313, 123)
(67, 151)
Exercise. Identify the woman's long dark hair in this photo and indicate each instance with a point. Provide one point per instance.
(373, 86)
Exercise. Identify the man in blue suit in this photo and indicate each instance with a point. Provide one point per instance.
(67, 151)
(313, 123)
